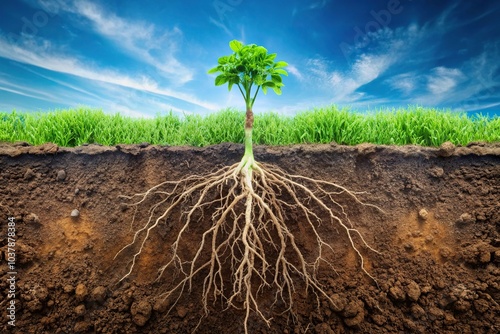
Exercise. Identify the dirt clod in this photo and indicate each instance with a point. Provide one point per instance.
(397, 293)
(324, 328)
(98, 294)
(417, 311)
(413, 291)
(182, 311)
(481, 305)
(80, 310)
(82, 327)
(141, 312)
(465, 219)
(161, 305)
(25, 253)
(68, 288)
(446, 149)
(81, 292)
(354, 313)
(29, 174)
(437, 172)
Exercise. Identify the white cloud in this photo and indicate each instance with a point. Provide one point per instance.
(42, 55)
(443, 80)
(343, 85)
(11, 87)
(472, 86)
(294, 71)
(140, 40)
(405, 82)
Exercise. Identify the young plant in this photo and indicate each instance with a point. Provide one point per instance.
(250, 68)
(252, 216)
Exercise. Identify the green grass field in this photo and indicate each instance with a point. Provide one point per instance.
(414, 125)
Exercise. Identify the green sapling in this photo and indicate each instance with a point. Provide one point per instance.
(250, 68)
(248, 244)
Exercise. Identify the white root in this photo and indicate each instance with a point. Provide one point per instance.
(248, 234)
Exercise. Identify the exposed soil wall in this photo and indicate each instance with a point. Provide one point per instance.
(439, 243)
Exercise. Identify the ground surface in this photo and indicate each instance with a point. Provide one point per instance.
(439, 239)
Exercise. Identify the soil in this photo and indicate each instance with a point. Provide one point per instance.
(439, 242)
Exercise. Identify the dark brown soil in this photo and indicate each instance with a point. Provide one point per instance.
(439, 240)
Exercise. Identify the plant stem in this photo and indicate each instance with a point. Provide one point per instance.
(248, 132)
(247, 163)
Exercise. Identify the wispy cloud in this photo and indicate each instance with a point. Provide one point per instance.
(472, 86)
(141, 40)
(24, 90)
(404, 82)
(44, 56)
(393, 55)
(344, 85)
(370, 59)
(292, 69)
(443, 80)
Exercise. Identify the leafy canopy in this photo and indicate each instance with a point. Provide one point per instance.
(250, 65)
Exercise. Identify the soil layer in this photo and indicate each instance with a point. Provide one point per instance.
(439, 243)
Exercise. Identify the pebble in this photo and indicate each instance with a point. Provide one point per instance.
(423, 214)
(75, 213)
(61, 175)
(32, 219)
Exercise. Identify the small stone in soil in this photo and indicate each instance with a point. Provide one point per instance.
(61, 175)
(423, 214)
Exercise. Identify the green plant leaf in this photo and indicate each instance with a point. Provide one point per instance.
(220, 80)
(236, 45)
(281, 71)
(269, 84)
(223, 60)
(250, 67)
(214, 70)
(277, 90)
(281, 64)
(276, 78)
(271, 57)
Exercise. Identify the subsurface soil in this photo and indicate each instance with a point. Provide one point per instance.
(439, 243)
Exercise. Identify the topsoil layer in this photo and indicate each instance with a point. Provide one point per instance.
(439, 243)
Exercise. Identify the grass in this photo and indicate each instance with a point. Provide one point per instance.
(414, 125)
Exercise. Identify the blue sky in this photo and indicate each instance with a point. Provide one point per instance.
(141, 58)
